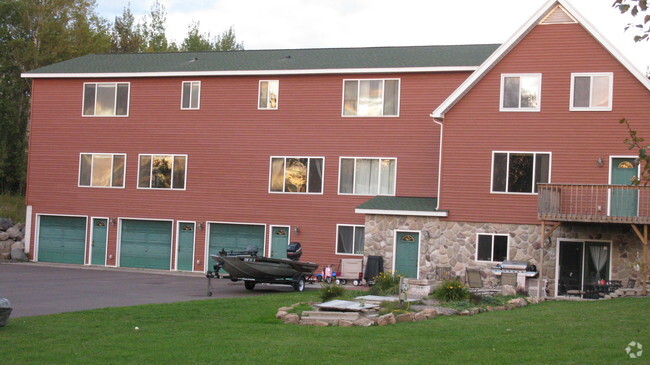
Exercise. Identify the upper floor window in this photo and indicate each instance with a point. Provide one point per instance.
(367, 176)
(162, 171)
(102, 170)
(492, 247)
(296, 175)
(371, 98)
(350, 239)
(106, 99)
(519, 172)
(521, 92)
(591, 91)
(268, 95)
(191, 95)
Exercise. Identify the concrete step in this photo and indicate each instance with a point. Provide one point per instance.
(329, 317)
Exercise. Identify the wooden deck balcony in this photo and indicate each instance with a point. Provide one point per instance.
(626, 204)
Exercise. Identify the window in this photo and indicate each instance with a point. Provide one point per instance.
(492, 247)
(162, 171)
(268, 96)
(102, 170)
(106, 99)
(520, 172)
(591, 91)
(367, 176)
(296, 175)
(349, 239)
(191, 95)
(521, 92)
(370, 98)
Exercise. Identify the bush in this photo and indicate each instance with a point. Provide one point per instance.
(330, 291)
(386, 283)
(451, 291)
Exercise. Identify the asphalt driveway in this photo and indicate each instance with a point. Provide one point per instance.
(36, 289)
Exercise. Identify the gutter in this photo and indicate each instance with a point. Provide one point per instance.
(439, 122)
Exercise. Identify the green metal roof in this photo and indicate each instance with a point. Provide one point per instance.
(274, 60)
(399, 203)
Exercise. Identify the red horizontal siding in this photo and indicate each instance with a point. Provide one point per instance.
(475, 127)
(228, 143)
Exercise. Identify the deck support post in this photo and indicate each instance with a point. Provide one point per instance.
(545, 234)
(644, 263)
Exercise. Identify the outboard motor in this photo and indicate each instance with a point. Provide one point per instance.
(294, 251)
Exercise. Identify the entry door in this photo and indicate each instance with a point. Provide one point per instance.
(279, 242)
(570, 260)
(185, 248)
(406, 254)
(623, 202)
(100, 229)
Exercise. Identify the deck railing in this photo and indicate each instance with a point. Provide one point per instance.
(594, 203)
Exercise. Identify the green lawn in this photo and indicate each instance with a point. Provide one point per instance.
(12, 206)
(244, 330)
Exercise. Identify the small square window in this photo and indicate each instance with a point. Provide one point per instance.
(191, 95)
(268, 94)
(350, 239)
(492, 247)
(521, 92)
(591, 92)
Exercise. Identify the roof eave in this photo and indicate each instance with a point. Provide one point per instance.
(439, 213)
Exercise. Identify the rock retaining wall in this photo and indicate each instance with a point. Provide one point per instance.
(12, 240)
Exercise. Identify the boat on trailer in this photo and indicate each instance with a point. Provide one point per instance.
(251, 269)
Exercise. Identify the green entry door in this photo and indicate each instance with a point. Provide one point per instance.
(235, 237)
(406, 254)
(62, 239)
(98, 245)
(623, 202)
(279, 242)
(185, 246)
(146, 244)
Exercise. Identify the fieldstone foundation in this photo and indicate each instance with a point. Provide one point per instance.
(453, 244)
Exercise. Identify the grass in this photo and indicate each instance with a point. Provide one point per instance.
(244, 331)
(12, 206)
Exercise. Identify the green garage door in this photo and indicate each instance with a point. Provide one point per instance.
(62, 239)
(235, 237)
(146, 244)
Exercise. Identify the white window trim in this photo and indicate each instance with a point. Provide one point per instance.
(92, 167)
(198, 105)
(322, 190)
(492, 254)
(128, 100)
(399, 98)
(550, 170)
(354, 176)
(520, 109)
(336, 241)
(259, 88)
(591, 87)
(151, 171)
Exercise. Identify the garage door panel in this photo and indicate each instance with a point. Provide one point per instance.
(62, 239)
(235, 237)
(146, 244)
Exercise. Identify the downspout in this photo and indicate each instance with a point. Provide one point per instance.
(439, 158)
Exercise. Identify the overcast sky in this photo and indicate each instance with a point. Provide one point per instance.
(367, 23)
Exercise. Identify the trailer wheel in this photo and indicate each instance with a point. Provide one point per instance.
(338, 281)
(356, 282)
(299, 285)
(250, 285)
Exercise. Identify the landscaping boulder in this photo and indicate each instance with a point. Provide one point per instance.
(518, 302)
(445, 311)
(386, 319)
(364, 322)
(420, 316)
(4, 236)
(15, 233)
(18, 251)
(5, 223)
(281, 314)
(405, 317)
(430, 312)
(344, 323)
(285, 309)
(508, 290)
(5, 311)
(314, 323)
(291, 318)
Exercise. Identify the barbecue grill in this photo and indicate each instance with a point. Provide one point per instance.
(516, 267)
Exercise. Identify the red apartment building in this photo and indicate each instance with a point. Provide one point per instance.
(157, 160)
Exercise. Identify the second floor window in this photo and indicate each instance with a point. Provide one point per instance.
(102, 170)
(367, 176)
(519, 172)
(268, 95)
(296, 175)
(191, 95)
(106, 99)
(162, 171)
(591, 91)
(370, 98)
(521, 92)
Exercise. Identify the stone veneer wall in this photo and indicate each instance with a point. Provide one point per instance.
(453, 244)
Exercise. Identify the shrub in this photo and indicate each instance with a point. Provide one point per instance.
(330, 291)
(451, 291)
(386, 283)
